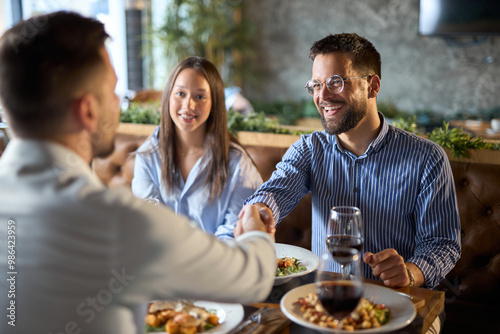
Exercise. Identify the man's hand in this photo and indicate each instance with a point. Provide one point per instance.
(267, 217)
(250, 219)
(264, 216)
(391, 268)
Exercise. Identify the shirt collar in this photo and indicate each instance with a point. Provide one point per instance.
(64, 162)
(379, 142)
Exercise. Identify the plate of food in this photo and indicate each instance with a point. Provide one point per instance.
(293, 261)
(182, 316)
(380, 310)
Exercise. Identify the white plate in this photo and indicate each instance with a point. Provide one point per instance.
(402, 310)
(230, 315)
(306, 258)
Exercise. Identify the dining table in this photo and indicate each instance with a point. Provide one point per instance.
(429, 305)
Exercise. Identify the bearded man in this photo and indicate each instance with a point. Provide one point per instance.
(402, 183)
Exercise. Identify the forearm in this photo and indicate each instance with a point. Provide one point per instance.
(190, 263)
(288, 183)
(437, 219)
(265, 200)
(435, 261)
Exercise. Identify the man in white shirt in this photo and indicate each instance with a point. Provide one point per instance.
(81, 258)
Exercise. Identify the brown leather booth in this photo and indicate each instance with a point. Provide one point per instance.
(472, 288)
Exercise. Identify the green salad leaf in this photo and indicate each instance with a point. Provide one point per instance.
(296, 267)
(382, 315)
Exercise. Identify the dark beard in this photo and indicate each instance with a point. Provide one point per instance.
(350, 120)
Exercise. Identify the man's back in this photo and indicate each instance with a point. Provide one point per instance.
(84, 256)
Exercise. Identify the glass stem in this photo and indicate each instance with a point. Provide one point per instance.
(343, 271)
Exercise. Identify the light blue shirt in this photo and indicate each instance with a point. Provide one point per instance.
(403, 185)
(192, 198)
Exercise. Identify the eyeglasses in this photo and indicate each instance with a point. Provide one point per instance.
(335, 84)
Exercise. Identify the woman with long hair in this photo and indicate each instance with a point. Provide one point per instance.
(191, 163)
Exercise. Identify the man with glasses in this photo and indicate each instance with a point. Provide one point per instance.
(402, 183)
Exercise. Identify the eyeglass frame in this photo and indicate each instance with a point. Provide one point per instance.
(336, 75)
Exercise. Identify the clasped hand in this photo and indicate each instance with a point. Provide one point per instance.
(256, 217)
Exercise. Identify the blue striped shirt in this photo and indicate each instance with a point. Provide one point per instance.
(403, 185)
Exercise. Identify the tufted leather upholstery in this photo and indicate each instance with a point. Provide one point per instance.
(472, 288)
(478, 188)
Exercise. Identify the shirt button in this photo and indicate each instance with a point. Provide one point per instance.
(356, 190)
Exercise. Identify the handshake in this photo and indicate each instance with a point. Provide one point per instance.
(255, 217)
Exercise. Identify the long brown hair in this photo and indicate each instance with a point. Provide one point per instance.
(216, 137)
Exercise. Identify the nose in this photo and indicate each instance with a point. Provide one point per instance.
(323, 91)
(189, 103)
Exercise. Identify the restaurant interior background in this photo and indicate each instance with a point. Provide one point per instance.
(452, 76)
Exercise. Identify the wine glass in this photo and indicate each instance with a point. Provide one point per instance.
(344, 234)
(339, 293)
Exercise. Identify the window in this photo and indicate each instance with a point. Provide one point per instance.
(109, 12)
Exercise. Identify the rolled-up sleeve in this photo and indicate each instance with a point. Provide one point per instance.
(437, 238)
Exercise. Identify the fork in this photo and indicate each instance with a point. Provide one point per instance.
(255, 318)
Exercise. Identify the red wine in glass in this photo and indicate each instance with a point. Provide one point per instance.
(339, 298)
(344, 247)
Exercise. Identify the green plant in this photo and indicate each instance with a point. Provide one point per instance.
(257, 122)
(287, 112)
(209, 28)
(142, 113)
(457, 141)
(406, 123)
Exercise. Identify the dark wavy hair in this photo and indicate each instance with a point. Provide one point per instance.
(217, 134)
(364, 56)
(44, 61)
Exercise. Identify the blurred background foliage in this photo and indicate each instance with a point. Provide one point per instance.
(274, 117)
(213, 29)
(141, 113)
(257, 122)
(287, 112)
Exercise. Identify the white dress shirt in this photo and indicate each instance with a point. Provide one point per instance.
(87, 256)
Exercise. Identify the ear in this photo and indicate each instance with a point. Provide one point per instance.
(85, 113)
(374, 87)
